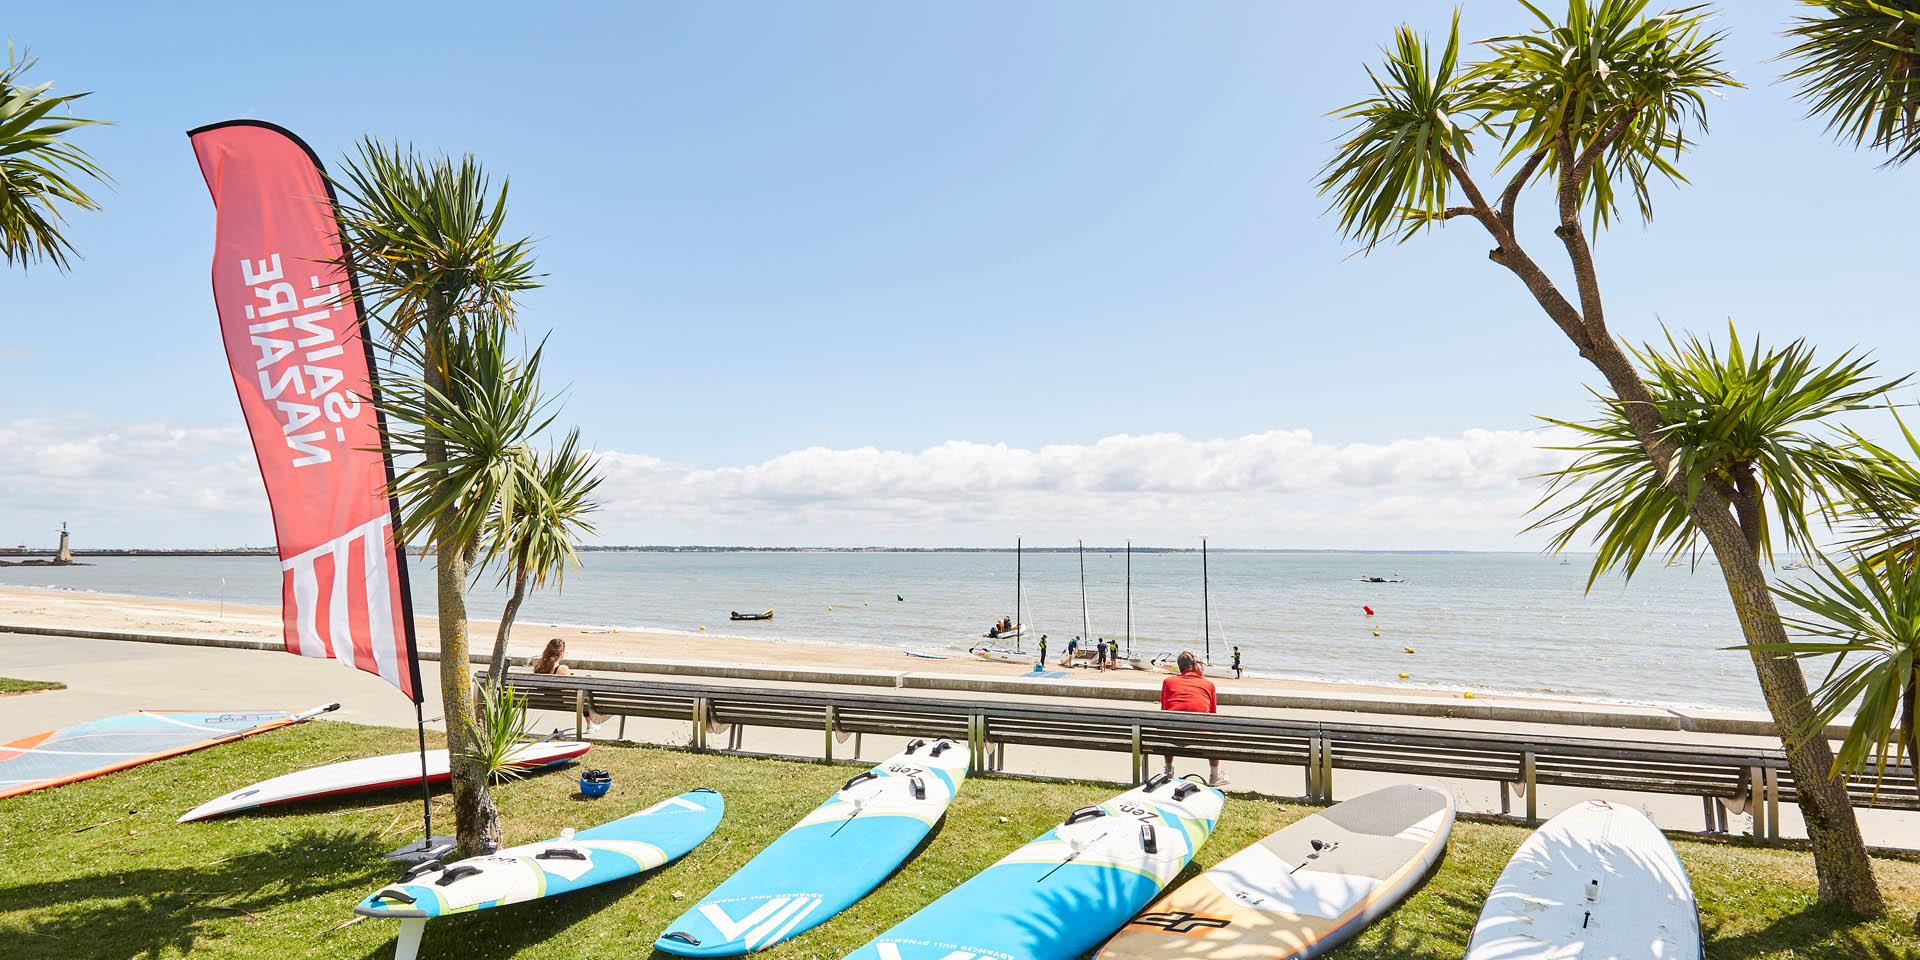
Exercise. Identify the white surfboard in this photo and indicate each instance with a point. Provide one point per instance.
(1597, 882)
(371, 773)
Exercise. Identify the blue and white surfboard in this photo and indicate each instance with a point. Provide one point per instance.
(829, 860)
(1061, 895)
(619, 848)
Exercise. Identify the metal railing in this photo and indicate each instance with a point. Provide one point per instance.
(1727, 778)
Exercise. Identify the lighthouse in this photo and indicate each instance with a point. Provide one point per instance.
(65, 556)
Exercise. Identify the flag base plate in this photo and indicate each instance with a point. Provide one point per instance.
(420, 851)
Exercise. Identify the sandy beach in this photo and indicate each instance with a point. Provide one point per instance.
(98, 611)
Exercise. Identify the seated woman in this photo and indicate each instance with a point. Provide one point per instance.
(551, 661)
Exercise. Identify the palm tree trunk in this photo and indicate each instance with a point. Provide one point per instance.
(1844, 871)
(1841, 864)
(476, 821)
(497, 669)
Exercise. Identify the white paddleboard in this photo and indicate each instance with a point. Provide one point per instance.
(371, 773)
(1302, 891)
(1597, 882)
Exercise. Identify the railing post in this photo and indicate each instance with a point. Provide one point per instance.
(973, 744)
(1326, 770)
(1773, 805)
(833, 715)
(1139, 759)
(1757, 801)
(1313, 769)
(579, 714)
(1529, 779)
(700, 723)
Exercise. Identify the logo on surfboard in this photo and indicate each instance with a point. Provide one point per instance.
(1181, 922)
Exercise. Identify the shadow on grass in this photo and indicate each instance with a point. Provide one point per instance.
(150, 912)
(508, 931)
(1820, 930)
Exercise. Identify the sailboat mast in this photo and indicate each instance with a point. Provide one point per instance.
(1086, 632)
(1019, 618)
(1206, 611)
(1129, 598)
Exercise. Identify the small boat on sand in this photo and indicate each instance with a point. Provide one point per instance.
(762, 615)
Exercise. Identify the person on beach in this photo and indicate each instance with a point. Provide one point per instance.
(1191, 692)
(1043, 650)
(1236, 661)
(1073, 646)
(552, 660)
(1100, 654)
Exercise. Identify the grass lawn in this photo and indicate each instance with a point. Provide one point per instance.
(9, 686)
(100, 869)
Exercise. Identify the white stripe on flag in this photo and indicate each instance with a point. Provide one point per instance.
(341, 628)
(306, 596)
(380, 602)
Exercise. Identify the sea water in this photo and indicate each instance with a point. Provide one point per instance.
(1484, 622)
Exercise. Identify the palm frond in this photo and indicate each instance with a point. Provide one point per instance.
(1753, 424)
(1857, 63)
(1864, 620)
(428, 239)
(497, 730)
(1389, 176)
(40, 170)
(1605, 69)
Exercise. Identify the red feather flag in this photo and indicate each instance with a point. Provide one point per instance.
(304, 371)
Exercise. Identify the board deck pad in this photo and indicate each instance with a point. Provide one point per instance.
(824, 864)
(96, 747)
(1057, 897)
(635, 843)
(1641, 903)
(366, 774)
(1284, 899)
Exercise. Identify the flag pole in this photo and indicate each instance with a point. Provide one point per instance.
(1129, 598)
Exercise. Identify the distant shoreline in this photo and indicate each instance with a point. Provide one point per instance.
(270, 551)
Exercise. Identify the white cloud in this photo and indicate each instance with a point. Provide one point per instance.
(140, 483)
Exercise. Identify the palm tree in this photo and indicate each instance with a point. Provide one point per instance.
(1858, 65)
(1598, 104)
(428, 240)
(39, 170)
(538, 546)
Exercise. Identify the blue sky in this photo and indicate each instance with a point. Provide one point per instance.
(776, 227)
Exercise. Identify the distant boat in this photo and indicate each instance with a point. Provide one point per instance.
(1378, 580)
(762, 615)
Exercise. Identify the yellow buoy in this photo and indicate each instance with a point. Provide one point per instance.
(829, 608)
(1407, 649)
(703, 626)
(1376, 633)
(1403, 676)
(1467, 695)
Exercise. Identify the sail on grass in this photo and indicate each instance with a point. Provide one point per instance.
(1749, 424)
(1866, 617)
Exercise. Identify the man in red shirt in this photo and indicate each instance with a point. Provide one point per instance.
(1191, 692)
